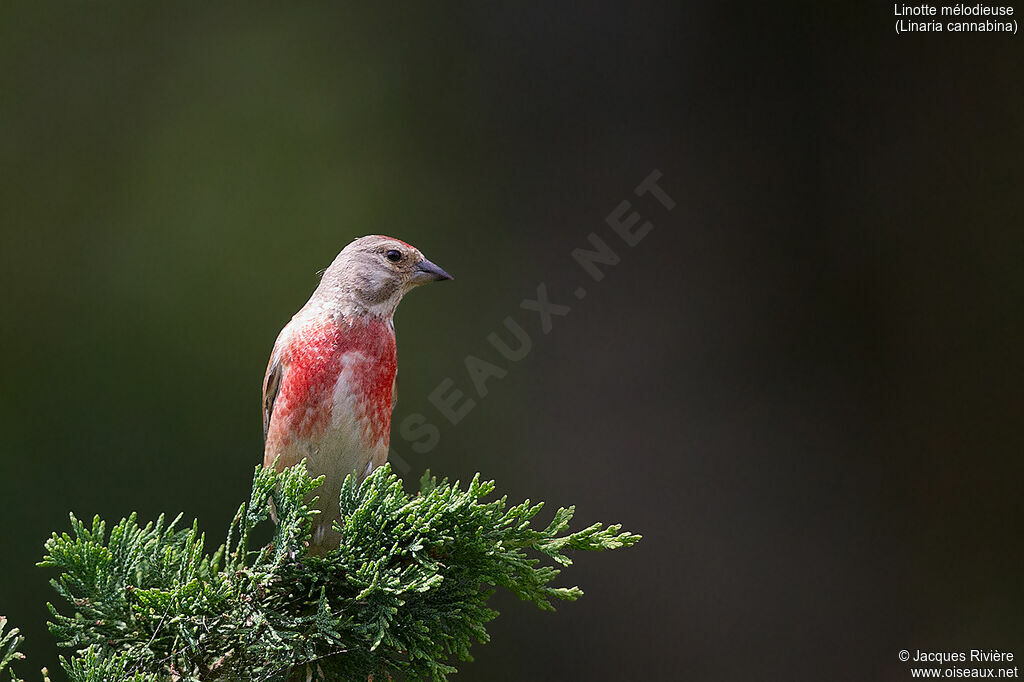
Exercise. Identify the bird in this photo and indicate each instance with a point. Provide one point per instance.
(330, 385)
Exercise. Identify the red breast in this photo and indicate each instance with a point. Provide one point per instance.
(317, 352)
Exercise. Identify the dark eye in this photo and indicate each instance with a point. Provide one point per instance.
(393, 256)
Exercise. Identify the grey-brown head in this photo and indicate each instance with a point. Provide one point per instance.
(372, 274)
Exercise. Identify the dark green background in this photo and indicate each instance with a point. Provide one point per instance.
(803, 387)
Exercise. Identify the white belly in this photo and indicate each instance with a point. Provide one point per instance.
(347, 446)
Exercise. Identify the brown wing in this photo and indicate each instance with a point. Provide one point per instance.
(271, 385)
(394, 393)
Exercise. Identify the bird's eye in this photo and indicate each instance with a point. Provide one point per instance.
(393, 255)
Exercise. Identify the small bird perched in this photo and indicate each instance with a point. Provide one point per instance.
(330, 383)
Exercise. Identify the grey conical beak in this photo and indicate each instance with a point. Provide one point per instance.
(428, 272)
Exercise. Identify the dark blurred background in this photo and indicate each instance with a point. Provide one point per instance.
(803, 386)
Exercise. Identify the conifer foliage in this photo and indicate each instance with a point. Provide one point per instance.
(405, 592)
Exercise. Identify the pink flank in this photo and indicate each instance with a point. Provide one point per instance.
(315, 355)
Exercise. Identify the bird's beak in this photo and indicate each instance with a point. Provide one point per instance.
(428, 272)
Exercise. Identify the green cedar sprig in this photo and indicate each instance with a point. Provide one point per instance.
(405, 592)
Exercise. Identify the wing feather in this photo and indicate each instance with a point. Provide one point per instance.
(394, 393)
(271, 386)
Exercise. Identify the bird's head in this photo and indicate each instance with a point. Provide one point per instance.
(373, 273)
